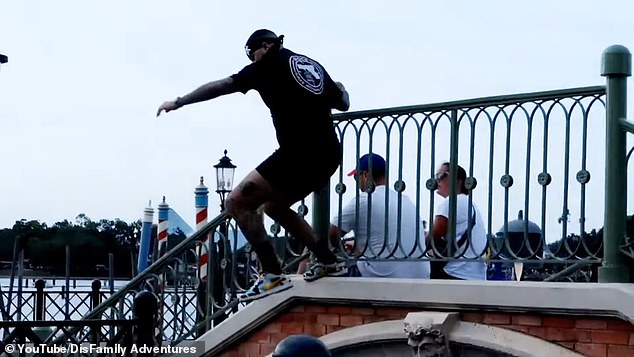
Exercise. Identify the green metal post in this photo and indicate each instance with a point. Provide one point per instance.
(616, 66)
(321, 213)
(453, 186)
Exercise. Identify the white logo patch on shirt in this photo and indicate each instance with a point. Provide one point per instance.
(307, 73)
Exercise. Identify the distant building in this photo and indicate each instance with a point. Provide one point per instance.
(175, 221)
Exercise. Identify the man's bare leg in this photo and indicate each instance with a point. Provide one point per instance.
(280, 211)
(327, 263)
(243, 204)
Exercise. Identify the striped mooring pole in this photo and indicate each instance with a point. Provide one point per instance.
(201, 193)
(146, 238)
(163, 216)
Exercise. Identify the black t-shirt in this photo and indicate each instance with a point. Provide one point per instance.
(298, 91)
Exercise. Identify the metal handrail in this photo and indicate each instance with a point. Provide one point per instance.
(156, 266)
(471, 103)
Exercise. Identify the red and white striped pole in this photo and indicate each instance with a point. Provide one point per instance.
(202, 202)
(163, 215)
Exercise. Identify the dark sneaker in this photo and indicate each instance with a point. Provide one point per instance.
(318, 270)
(266, 285)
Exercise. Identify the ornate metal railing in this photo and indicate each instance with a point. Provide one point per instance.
(53, 303)
(534, 152)
(525, 152)
(189, 306)
(87, 337)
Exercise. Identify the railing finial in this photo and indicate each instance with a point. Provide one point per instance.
(616, 61)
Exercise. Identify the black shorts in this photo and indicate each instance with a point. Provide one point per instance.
(295, 172)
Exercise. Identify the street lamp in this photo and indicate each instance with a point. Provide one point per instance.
(221, 250)
(224, 178)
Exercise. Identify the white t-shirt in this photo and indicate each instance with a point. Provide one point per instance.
(475, 248)
(376, 236)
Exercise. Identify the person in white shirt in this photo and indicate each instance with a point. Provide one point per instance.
(374, 239)
(469, 248)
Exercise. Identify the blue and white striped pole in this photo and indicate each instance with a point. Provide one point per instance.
(146, 239)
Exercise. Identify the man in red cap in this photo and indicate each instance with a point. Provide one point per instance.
(384, 224)
(300, 94)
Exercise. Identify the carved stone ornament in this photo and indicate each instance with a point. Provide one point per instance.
(426, 333)
(425, 340)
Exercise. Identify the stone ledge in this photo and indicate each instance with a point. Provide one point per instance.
(567, 298)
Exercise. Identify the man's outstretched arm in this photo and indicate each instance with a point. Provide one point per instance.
(205, 92)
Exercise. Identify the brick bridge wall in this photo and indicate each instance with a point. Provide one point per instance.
(590, 336)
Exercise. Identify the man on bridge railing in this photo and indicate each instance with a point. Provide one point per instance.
(300, 94)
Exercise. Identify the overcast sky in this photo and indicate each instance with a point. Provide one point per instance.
(78, 132)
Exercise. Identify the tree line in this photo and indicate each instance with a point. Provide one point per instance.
(90, 243)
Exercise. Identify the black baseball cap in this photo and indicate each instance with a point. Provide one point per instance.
(257, 38)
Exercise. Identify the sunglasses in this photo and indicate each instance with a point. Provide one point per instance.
(250, 49)
(441, 175)
(250, 52)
